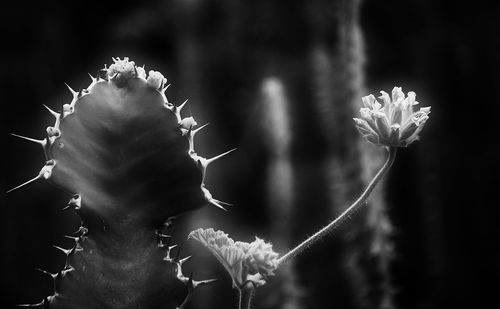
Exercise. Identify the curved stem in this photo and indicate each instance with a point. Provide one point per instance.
(349, 211)
(246, 295)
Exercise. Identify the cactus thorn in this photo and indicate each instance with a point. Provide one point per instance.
(203, 282)
(82, 229)
(222, 203)
(177, 110)
(54, 113)
(180, 107)
(44, 304)
(182, 261)
(66, 207)
(211, 160)
(185, 301)
(45, 173)
(211, 200)
(46, 272)
(165, 88)
(199, 128)
(162, 235)
(73, 92)
(42, 142)
(75, 238)
(25, 184)
(216, 204)
(169, 249)
(67, 269)
(65, 251)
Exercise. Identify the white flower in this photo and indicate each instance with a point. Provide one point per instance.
(141, 73)
(243, 261)
(395, 124)
(156, 79)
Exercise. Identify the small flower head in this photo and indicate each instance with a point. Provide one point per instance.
(156, 79)
(125, 68)
(141, 73)
(243, 261)
(393, 124)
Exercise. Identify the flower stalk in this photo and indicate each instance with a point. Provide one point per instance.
(246, 293)
(342, 217)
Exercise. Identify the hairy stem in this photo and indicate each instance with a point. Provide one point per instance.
(349, 211)
(246, 295)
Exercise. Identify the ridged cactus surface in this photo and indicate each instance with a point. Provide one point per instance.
(126, 157)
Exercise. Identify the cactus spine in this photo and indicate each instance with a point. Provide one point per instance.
(126, 156)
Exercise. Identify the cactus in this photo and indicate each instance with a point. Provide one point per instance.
(126, 157)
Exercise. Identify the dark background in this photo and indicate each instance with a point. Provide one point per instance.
(440, 193)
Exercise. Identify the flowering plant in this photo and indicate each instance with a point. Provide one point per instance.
(391, 125)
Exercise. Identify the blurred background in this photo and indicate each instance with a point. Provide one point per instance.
(281, 81)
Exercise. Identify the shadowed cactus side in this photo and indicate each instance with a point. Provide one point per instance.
(126, 156)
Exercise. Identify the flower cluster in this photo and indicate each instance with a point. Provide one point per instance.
(395, 124)
(243, 261)
(123, 67)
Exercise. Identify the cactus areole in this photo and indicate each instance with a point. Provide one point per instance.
(126, 156)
